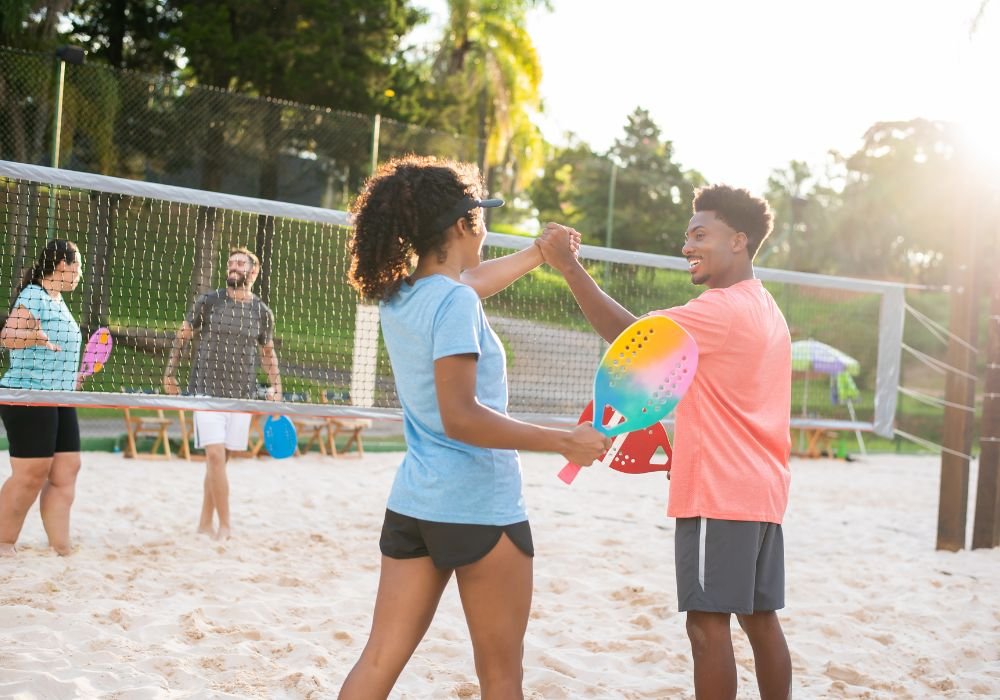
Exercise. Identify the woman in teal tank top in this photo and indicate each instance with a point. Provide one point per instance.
(44, 343)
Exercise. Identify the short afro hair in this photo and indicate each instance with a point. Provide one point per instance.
(740, 210)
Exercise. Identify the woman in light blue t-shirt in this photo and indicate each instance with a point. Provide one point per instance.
(44, 343)
(456, 504)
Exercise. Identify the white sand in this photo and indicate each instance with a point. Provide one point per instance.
(147, 609)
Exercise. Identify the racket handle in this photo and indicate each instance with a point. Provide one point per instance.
(569, 472)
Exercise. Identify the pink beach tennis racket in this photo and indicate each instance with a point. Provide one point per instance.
(97, 352)
(643, 375)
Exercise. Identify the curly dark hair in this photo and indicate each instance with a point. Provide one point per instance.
(739, 209)
(394, 218)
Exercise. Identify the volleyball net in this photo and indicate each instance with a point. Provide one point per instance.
(152, 252)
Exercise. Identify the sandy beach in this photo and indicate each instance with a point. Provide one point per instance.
(147, 609)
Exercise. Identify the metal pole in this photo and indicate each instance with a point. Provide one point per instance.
(57, 112)
(611, 205)
(375, 134)
(64, 54)
(50, 228)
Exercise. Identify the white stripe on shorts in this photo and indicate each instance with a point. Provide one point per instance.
(702, 532)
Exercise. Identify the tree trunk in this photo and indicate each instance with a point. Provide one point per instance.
(205, 253)
(19, 228)
(104, 214)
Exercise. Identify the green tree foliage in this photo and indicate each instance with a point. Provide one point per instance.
(803, 237)
(652, 194)
(898, 200)
(887, 211)
(31, 24)
(341, 54)
(133, 34)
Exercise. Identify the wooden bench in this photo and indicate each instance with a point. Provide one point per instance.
(817, 434)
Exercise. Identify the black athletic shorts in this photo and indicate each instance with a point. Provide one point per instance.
(40, 431)
(449, 545)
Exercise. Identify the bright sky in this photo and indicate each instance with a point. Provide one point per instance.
(744, 87)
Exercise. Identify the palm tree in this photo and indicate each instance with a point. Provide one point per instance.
(487, 57)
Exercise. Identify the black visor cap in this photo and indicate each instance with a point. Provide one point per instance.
(463, 207)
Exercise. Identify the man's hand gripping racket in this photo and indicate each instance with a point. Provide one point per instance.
(643, 375)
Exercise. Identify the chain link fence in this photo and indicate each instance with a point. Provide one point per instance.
(160, 129)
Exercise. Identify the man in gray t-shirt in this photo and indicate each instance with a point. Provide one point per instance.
(232, 325)
(229, 333)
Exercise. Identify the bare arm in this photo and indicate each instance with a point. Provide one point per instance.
(23, 330)
(184, 334)
(269, 361)
(607, 316)
(492, 276)
(465, 419)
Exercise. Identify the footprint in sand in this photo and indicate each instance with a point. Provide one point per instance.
(634, 595)
(847, 675)
(642, 622)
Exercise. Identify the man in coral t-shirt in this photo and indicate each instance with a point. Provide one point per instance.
(729, 475)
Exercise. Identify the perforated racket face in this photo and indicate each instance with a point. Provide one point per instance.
(645, 450)
(97, 352)
(644, 373)
(279, 436)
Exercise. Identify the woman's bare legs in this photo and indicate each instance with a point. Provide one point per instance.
(18, 494)
(57, 499)
(496, 595)
(408, 594)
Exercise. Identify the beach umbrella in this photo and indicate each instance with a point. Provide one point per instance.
(813, 356)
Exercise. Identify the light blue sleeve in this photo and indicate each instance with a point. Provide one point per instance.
(456, 325)
(32, 297)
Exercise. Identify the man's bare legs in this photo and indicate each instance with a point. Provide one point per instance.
(771, 659)
(712, 653)
(57, 499)
(216, 493)
(715, 665)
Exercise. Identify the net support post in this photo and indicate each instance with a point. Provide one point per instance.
(365, 364)
(986, 524)
(892, 314)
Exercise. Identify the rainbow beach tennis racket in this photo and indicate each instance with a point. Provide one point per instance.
(97, 352)
(643, 375)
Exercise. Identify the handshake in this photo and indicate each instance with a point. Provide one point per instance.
(559, 245)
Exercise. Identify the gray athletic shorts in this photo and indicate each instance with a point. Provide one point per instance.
(729, 566)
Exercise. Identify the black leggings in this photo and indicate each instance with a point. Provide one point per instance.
(40, 431)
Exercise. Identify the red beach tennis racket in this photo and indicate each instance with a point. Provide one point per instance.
(642, 451)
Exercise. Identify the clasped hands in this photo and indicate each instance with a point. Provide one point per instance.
(559, 245)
